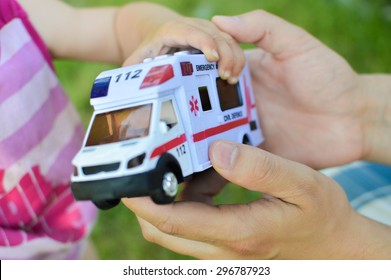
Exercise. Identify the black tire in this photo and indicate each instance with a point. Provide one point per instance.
(246, 140)
(162, 196)
(106, 204)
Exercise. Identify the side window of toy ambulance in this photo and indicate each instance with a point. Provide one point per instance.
(205, 100)
(229, 95)
(168, 118)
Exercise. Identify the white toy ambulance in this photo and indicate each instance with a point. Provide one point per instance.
(153, 124)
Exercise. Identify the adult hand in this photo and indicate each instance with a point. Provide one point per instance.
(307, 96)
(303, 214)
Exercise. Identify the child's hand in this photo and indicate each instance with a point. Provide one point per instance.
(185, 33)
(128, 34)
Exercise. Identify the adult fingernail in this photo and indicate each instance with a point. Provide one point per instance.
(223, 154)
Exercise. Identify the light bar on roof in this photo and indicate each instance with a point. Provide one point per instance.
(158, 75)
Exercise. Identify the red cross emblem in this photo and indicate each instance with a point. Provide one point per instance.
(194, 106)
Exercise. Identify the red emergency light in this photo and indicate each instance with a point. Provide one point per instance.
(158, 75)
(187, 68)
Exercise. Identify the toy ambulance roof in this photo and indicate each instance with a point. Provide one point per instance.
(139, 82)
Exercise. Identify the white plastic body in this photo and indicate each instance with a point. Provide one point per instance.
(189, 140)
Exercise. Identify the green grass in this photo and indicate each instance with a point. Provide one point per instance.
(359, 30)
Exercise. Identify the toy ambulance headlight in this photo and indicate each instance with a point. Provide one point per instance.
(137, 161)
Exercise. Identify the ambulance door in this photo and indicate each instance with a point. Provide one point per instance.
(203, 116)
(172, 138)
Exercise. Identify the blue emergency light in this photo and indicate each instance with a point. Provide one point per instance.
(100, 87)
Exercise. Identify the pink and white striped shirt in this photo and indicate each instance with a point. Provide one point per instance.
(40, 132)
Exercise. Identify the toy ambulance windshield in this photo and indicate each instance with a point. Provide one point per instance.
(153, 124)
(120, 125)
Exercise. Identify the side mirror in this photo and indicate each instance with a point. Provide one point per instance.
(163, 127)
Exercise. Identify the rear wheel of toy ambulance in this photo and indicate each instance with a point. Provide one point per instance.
(168, 189)
(106, 204)
(246, 140)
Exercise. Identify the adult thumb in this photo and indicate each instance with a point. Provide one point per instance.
(258, 170)
(267, 31)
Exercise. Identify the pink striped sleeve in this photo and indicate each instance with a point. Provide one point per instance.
(10, 9)
(40, 133)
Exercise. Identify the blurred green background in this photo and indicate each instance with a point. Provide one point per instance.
(359, 30)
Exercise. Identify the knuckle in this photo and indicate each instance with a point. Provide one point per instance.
(311, 183)
(230, 41)
(253, 248)
(263, 169)
(243, 248)
(166, 226)
(180, 26)
(321, 189)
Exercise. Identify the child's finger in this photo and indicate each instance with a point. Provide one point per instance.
(216, 45)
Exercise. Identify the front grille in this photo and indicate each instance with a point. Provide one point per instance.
(89, 170)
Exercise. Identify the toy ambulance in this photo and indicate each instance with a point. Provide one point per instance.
(153, 124)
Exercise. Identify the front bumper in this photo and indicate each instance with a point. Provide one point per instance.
(142, 184)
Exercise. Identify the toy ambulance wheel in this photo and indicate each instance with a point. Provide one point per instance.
(169, 188)
(106, 204)
(246, 140)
